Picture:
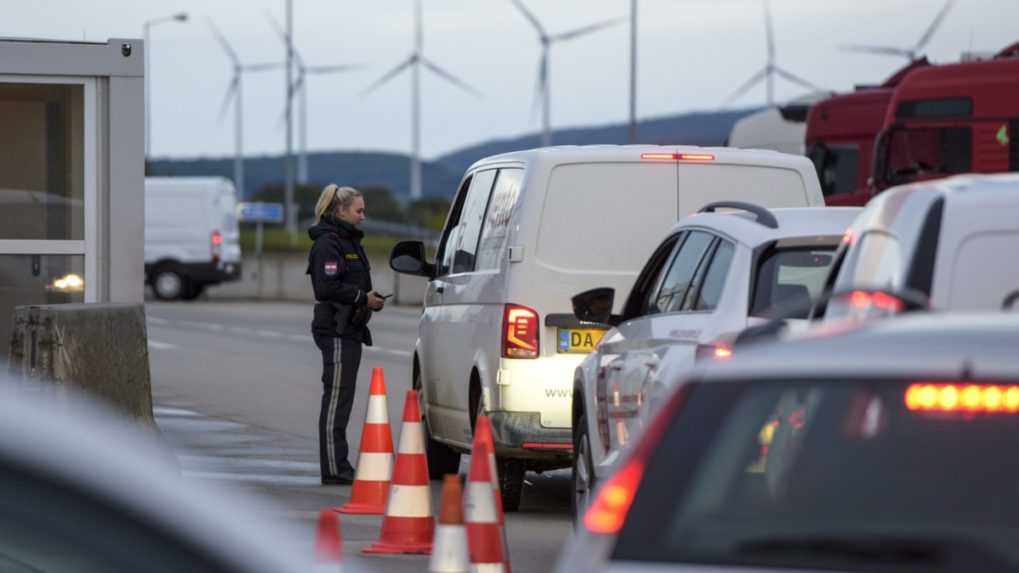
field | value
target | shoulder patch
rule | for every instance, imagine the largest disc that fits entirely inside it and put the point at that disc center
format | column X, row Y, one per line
column 352, row 257
column 331, row 268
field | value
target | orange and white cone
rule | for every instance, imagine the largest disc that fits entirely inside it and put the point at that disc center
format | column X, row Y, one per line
column 328, row 538
column 449, row 549
column 408, row 526
column 483, row 434
column 484, row 535
column 375, row 460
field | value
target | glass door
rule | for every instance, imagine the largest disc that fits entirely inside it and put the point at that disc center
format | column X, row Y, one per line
column 48, row 216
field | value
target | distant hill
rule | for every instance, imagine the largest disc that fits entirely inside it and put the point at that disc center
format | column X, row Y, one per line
column 441, row 176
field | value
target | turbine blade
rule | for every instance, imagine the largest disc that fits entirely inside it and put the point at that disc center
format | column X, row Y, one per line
column 585, row 30
column 264, row 66
column 789, row 76
column 334, row 69
column 769, row 31
column 530, row 17
column 934, row 26
column 390, row 75
column 743, row 89
column 278, row 28
column 881, row 50
column 450, row 77
column 231, row 91
column 222, row 42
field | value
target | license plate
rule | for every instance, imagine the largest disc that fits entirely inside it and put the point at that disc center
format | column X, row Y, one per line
column 579, row 340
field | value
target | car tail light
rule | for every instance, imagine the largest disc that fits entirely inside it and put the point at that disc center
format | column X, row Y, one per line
column 716, row 351
column 607, row 512
column 216, row 242
column 519, row 332
column 966, row 398
column 666, row 156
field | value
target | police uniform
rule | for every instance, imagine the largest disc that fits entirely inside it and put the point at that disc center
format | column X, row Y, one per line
column 341, row 279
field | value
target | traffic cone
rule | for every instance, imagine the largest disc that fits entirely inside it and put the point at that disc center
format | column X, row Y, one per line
column 328, row 538
column 375, row 460
column 449, row 550
column 484, row 535
column 483, row 434
column 408, row 525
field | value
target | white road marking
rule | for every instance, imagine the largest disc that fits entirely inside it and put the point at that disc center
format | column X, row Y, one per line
column 255, row 478
column 155, row 320
column 216, row 327
column 269, row 333
column 249, row 462
column 400, row 353
column 161, row 345
column 174, row 412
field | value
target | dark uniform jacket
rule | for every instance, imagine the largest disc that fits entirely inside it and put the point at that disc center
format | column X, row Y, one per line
column 341, row 278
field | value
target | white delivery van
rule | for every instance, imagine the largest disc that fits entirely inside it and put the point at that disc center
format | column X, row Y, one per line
column 191, row 235
column 527, row 231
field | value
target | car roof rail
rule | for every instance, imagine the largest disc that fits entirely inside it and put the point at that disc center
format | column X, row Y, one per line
column 762, row 215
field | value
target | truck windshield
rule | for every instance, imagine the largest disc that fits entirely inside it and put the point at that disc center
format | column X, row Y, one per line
column 920, row 153
column 842, row 474
column 836, row 167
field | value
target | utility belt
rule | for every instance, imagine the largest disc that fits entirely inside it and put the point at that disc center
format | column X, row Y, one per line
column 346, row 317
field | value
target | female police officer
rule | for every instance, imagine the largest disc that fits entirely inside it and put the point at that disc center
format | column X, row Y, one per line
column 341, row 279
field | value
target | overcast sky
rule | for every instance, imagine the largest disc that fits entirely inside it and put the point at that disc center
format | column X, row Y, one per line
column 693, row 53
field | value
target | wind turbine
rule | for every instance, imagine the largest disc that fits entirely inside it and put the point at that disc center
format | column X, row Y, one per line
column 300, row 86
column 912, row 53
column 235, row 91
column 542, row 91
column 770, row 69
column 414, row 63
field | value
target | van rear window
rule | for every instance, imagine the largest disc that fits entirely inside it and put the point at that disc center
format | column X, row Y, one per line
column 606, row 217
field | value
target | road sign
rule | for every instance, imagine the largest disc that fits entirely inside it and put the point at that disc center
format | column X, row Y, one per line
column 260, row 212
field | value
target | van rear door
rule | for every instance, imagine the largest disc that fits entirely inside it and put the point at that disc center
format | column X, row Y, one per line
column 704, row 182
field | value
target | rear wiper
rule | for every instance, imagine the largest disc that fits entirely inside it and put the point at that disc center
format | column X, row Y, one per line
column 876, row 548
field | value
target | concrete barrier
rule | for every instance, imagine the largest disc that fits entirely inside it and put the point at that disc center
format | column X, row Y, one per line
column 99, row 349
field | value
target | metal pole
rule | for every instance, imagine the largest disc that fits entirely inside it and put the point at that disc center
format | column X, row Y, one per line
column 546, row 119
column 633, row 71
column 291, row 219
column 415, row 120
column 302, row 157
column 258, row 254
column 148, row 93
column 239, row 134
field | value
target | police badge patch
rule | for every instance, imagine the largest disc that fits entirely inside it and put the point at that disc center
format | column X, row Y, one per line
column 331, row 268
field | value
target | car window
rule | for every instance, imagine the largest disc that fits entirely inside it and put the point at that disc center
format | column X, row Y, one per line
column 787, row 280
column 451, row 232
column 649, row 277
column 495, row 231
column 862, row 475
column 46, row 526
column 714, row 280
column 471, row 220
column 669, row 296
column 876, row 263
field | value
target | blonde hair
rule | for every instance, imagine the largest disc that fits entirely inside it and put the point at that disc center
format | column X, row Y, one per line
column 333, row 197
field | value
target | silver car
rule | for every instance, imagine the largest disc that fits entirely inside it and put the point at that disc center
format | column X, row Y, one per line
column 712, row 276
column 879, row 446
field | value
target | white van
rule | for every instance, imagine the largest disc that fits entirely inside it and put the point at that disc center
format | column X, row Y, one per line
column 191, row 235
column 527, row 231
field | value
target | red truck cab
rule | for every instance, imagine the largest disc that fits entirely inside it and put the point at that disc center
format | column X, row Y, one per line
column 948, row 119
column 840, row 138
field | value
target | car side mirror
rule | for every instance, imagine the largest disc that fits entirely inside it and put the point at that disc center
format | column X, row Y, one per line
column 1010, row 300
column 408, row 257
column 595, row 305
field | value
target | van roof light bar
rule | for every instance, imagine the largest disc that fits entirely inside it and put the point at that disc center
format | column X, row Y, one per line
column 761, row 215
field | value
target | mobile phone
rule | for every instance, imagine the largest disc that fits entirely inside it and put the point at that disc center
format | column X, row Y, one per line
column 385, row 296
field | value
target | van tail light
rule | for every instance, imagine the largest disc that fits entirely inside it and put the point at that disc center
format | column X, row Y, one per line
column 607, row 512
column 216, row 242
column 716, row 351
column 519, row 332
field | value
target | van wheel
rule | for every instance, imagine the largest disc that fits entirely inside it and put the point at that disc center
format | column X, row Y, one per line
column 167, row 284
column 583, row 475
column 442, row 459
column 511, row 482
column 192, row 290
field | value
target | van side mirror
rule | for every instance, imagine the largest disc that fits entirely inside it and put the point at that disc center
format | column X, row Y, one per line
column 595, row 305
column 408, row 257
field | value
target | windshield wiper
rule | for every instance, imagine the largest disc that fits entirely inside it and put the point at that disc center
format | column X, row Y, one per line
column 877, row 548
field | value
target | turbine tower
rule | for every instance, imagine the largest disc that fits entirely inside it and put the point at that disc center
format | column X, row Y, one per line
column 235, row 93
column 300, row 87
column 542, row 91
column 770, row 69
column 913, row 53
column 414, row 63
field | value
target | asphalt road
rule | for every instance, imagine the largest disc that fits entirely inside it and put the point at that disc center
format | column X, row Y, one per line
column 237, row 390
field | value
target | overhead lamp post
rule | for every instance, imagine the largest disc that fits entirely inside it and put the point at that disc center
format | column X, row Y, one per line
column 179, row 17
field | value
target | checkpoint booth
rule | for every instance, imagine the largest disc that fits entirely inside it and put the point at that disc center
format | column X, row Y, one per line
column 71, row 174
